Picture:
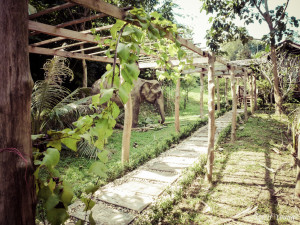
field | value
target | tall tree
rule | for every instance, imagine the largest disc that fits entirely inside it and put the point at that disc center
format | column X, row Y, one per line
column 17, row 193
column 223, row 28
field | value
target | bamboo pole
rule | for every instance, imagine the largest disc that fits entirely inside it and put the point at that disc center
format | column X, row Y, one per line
column 211, row 118
column 297, row 188
column 225, row 92
column 177, row 104
column 234, row 103
column 218, row 94
column 251, row 94
column 201, row 95
column 84, row 69
column 255, row 93
column 245, row 95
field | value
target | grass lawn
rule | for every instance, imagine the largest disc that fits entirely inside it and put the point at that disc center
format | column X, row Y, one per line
column 252, row 184
column 74, row 167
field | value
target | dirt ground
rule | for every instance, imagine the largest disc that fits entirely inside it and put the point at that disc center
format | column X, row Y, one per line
column 252, row 184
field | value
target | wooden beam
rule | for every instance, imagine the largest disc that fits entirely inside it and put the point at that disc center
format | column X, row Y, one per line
column 46, row 51
column 201, row 95
column 245, row 95
column 50, row 10
column 70, row 45
column 70, row 34
column 234, row 102
column 177, row 106
column 86, row 49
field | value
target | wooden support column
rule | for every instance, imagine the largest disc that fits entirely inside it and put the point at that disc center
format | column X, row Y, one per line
column 255, row 92
column 177, row 104
column 234, row 102
column 218, row 94
column 84, row 69
column 211, row 117
column 251, row 93
column 201, row 95
column 297, row 188
column 225, row 92
column 127, row 128
column 245, row 74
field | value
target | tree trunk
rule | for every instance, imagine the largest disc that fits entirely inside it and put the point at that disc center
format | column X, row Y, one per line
column 234, row 104
column 17, row 192
column 245, row 96
column 218, row 94
column 251, row 94
column 225, row 92
column 84, row 70
column 277, row 93
column 255, row 92
column 201, row 95
column 211, row 118
column 177, row 104
column 297, row 189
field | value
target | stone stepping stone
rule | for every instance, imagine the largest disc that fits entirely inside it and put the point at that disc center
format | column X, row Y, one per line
column 188, row 147
column 157, row 176
column 126, row 199
column 178, row 160
column 184, row 153
column 167, row 166
column 102, row 214
column 202, row 139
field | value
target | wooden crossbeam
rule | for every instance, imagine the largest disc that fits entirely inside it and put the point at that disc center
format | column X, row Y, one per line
column 50, row 10
column 86, row 49
column 70, row 45
column 46, row 51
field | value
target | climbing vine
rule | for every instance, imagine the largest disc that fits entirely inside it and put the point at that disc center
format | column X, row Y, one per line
column 127, row 42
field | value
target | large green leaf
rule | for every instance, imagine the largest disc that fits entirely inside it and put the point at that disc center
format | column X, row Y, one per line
column 89, row 203
column 123, row 51
column 106, row 95
column 103, row 156
column 116, row 27
column 52, row 201
column 57, row 216
column 51, row 158
column 98, row 168
column 67, row 194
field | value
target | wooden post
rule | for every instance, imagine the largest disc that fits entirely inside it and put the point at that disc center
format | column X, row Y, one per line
column 84, row 69
column 17, row 189
column 201, row 95
column 225, row 92
column 211, row 118
column 127, row 128
column 251, row 94
column 245, row 94
column 177, row 104
column 218, row 94
column 255, row 92
column 297, row 188
column 234, row 103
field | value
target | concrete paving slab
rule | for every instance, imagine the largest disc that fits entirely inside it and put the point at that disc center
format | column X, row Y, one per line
column 182, row 152
column 125, row 199
column 103, row 215
column 202, row 139
column 157, row 176
column 178, row 160
column 193, row 148
column 167, row 166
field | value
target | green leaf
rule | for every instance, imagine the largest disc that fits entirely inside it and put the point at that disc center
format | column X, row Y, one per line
column 71, row 142
column 115, row 110
column 124, row 92
column 79, row 222
column 67, row 194
column 51, row 185
column 106, row 95
column 51, row 158
column 89, row 203
column 91, row 188
column 99, row 169
column 123, row 51
column 91, row 219
column 116, row 27
column 96, row 100
column 133, row 69
column 57, row 216
column 52, row 201
column 37, row 136
column 103, row 156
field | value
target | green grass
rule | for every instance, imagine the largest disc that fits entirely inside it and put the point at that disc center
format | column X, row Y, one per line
column 74, row 167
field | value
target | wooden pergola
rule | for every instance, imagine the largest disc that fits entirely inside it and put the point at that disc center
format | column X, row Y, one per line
column 205, row 63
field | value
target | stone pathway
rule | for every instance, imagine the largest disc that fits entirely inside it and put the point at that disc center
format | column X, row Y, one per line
column 118, row 202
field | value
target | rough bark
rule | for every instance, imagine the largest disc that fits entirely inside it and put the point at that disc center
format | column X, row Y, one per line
column 218, row 94
column 245, row 96
column 127, row 130
column 297, row 188
column 234, row 104
column 17, row 192
column 201, row 95
column 211, row 118
column 177, row 103
column 251, row 94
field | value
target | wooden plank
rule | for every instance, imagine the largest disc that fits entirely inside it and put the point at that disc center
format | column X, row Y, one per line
column 245, row 95
column 177, row 106
column 53, row 9
column 70, row 45
column 86, row 49
column 201, row 96
column 51, row 30
column 46, row 51
column 234, row 103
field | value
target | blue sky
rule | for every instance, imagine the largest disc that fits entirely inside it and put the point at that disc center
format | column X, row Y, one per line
column 190, row 16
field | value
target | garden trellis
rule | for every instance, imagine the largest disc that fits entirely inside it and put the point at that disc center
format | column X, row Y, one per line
column 205, row 63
